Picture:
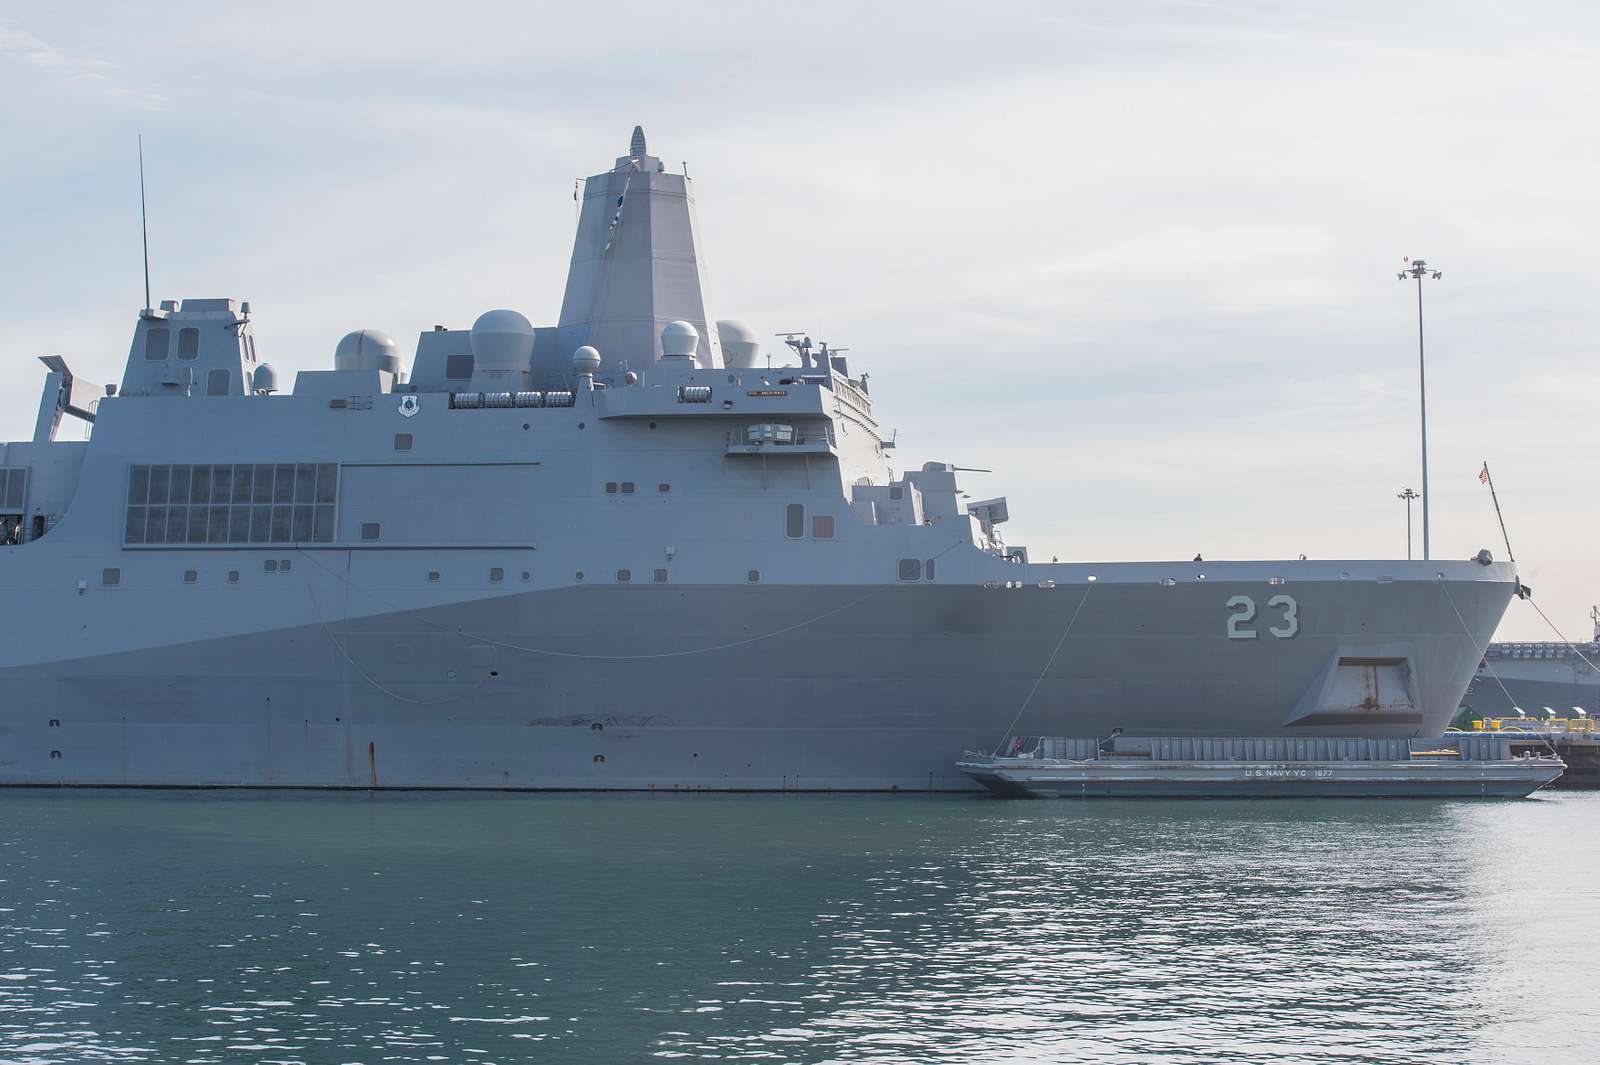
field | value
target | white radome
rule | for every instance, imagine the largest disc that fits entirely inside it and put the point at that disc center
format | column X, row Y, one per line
column 679, row 338
column 501, row 340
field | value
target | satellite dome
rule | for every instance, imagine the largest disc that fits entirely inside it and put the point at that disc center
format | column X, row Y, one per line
column 679, row 338
column 586, row 360
column 265, row 378
column 367, row 349
column 501, row 340
column 739, row 344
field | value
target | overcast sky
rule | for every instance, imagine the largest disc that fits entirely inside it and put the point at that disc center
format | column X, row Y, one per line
column 1138, row 258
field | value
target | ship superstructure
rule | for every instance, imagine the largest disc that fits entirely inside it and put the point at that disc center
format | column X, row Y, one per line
column 615, row 552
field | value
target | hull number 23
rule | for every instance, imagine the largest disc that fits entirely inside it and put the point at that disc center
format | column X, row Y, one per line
column 1242, row 615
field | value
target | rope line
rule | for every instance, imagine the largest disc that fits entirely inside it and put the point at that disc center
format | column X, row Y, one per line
column 1048, row 663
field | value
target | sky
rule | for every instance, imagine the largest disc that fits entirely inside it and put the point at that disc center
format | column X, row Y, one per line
column 1138, row 259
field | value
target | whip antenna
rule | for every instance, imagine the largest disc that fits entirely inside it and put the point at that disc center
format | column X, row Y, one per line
column 144, row 227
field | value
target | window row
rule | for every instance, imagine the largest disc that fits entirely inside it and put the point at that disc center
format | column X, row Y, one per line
column 304, row 482
column 794, row 523
column 243, row 524
column 158, row 344
column 912, row 569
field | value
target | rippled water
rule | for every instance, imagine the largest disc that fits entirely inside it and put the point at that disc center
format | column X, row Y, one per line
column 212, row 927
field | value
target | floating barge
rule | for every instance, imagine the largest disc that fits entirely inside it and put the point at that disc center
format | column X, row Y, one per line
column 1458, row 766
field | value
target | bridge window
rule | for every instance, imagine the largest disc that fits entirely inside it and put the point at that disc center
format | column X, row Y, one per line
column 189, row 343
column 156, row 342
column 822, row 527
column 217, row 382
column 794, row 521
column 228, row 504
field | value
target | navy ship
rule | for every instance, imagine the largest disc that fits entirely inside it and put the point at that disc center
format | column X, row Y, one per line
column 623, row 551
column 1541, row 678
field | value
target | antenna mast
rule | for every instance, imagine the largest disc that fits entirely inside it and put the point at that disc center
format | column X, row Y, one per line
column 144, row 227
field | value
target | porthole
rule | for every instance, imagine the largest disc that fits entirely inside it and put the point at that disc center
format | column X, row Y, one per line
column 599, row 759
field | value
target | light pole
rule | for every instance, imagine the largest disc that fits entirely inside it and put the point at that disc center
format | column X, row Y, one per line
column 1419, row 270
column 1408, row 495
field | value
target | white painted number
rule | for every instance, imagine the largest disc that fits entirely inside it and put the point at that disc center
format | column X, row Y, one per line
column 1291, row 616
column 1246, row 614
column 1242, row 611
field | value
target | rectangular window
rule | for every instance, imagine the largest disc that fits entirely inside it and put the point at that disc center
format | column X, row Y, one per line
column 322, row 530
column 217, row 382
column 158, row 484
column 753, row 576
column 927, row 570
column 156, row 341
column 111, row 577
column 458, row 367
column 896, row 491
column 133, row 530
column 190, row 576
column 794, row 521
column 283, row 484
column 155, row 531
column 270, row 565
column 239, row 525
column 196, row 533
column 627, row 488
column 260, row 524
column 177, row 525
column 663, row 488
column 178, row 486
column 496, row 574
column 16, row 482
column 661, row 576
column 138, row 485
column 262, row 493
column 822, row 527
column 328, row 482
column 221, row 483
column 303, row 524
column 611, row 488
column 402, row 441
column 243, row 483
column 282, row 525
column 189, row 343
column 433, row 575
column 199, row 484
column 284, row 565
column 910, row 569
column 370, row 530
column 624, row 576
column 233, row 576
column 305, row 484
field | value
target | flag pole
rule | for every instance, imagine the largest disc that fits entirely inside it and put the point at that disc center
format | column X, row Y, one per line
column 1488, row 480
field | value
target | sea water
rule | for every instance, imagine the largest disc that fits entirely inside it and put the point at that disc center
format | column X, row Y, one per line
column 149, row 926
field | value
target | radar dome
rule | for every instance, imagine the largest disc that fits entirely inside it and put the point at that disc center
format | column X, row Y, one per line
column 501, row 340
column 679, row 338
column 367, row 349
column 586, row 360
column 739, row 344
column 265, row 379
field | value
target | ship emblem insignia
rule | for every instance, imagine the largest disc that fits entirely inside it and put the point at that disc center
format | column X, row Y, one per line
column 409, row 406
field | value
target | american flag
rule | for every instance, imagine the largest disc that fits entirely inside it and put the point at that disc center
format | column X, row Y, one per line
column 1483, row 474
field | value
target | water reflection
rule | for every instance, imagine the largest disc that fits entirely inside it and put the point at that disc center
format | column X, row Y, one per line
column 212, row 928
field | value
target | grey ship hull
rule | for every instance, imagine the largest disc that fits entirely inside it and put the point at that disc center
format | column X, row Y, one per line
column 763, row 687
